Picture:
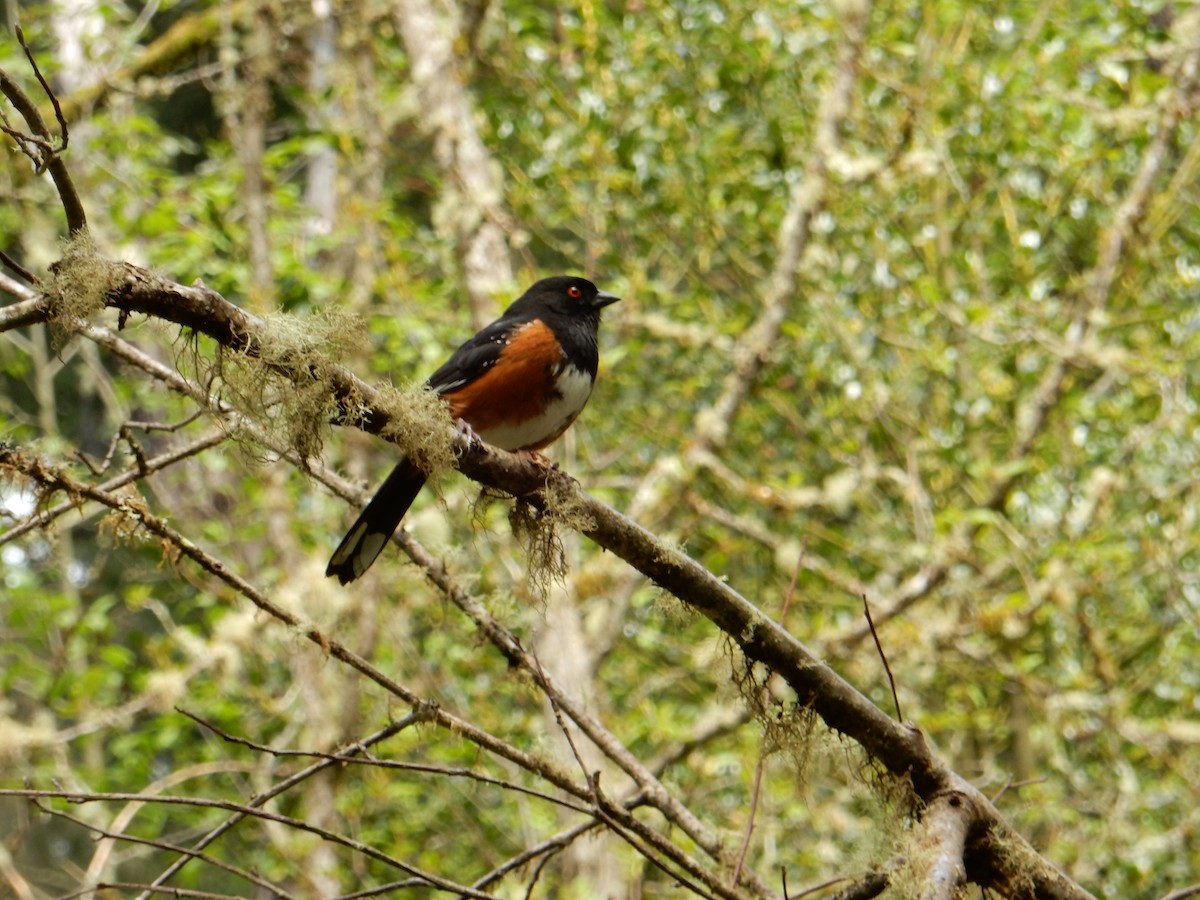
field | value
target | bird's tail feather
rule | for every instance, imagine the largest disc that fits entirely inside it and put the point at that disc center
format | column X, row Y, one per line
column 376, row 523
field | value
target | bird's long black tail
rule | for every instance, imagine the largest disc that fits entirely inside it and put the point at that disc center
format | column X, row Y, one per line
column 381, row 517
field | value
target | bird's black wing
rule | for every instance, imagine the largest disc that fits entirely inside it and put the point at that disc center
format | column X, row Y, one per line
column 475, row 356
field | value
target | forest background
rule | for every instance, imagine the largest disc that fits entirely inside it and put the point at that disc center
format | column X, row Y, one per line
column 909, row 315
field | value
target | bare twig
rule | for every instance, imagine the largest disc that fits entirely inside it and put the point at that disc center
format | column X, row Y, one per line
column 355, row 754
column 720, row 719
column 1010, row 785
column 545, row 848
column 607, row 812
column 325, row 834
column 58, row 113
column 213, row 861
column 394, row 728
column 883, row 656
column 48, row 157
column 646, row 840
column 754, row 794
column 104, row 886
column 125, row 433
column 158, row 463
column 19, row 269
column 787, row 598
column 381, row 890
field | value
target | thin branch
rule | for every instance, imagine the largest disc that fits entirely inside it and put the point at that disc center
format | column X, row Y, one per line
column 394, row 728
column 58, row 113
column 754, row 795
column 125, row 433
column 354, row 756
column 791, row 590
column 536, row 876
column 19, row 269
column 213, row 861
column 325, row 834
column 644, row 839
column 158, row 463
column 389, row 888
column 49, row 158
column 720, row 719
column 1010, row 785
column 883, row 657
column 600, row 805
column 546, row 848
column 138, row 886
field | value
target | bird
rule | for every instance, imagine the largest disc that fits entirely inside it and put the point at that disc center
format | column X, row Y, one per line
column 518, row 384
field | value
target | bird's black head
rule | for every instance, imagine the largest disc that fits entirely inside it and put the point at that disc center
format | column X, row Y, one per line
column 566, row 295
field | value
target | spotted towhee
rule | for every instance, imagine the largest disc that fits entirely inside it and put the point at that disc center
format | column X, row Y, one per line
column 518, row 384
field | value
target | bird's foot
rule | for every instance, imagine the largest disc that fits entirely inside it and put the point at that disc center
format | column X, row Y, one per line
column 465, row 429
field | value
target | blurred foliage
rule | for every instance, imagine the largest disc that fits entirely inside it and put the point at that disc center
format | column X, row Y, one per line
column 652, row 146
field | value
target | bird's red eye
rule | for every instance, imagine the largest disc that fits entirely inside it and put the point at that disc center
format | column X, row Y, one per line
column 574, row 293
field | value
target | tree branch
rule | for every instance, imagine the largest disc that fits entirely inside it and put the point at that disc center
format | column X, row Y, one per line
column 46, row 156
column 945, row 823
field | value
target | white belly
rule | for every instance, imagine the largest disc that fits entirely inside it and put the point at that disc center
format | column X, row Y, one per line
column 574, row 388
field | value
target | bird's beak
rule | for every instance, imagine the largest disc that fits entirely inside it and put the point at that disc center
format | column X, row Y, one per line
column 604, row 298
